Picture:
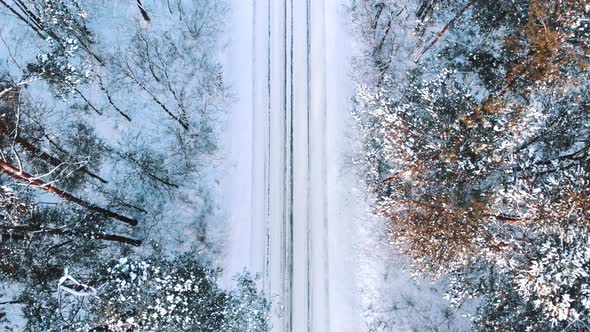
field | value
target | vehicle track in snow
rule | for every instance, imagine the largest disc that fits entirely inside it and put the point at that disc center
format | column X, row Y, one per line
column 289, row 229
column 296, row 81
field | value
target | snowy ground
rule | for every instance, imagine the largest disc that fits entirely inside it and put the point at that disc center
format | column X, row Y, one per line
column 283, row 203
column 295, row 204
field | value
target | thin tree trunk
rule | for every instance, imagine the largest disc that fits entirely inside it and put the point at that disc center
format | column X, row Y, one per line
column 384, row 37
column 514, row 74
column 88, row 102
column 25, row 232
column 514, row 220
column 38, row 28
column 165, row 109
column 22, row 176
column 143, row 11
column 176, row 118
column 19, row 16
column 156, row 100
column 518, row 67
column 116, row 200
column 150, row 174
column 507, row 88
column 29, row 14
column 378, row 15
column 425, row 9
column 41, row 154
column 38, row 22
column 393, row 177
column 163, row 181
column 444, row 30
column 104, row 89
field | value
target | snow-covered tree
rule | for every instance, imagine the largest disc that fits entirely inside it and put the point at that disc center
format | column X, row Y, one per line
column 477, row 146
column 153, row 294
column 457, row 155
column 108, row 123
column 542, row 285
column 63, row 57
column 178, row 295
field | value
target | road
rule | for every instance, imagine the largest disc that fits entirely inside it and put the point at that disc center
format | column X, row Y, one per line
column 287, row 61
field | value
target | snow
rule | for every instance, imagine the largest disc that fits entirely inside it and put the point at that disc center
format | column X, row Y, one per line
column 307, row 262
column 12, row 310
column 297, row 207
column 239, row 179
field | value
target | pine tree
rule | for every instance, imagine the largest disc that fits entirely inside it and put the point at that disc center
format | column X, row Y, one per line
column 478, row 154
column 152, row 294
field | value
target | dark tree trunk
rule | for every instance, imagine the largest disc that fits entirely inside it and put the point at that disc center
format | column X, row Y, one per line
column 20, row 233
column 142, row 10
column 41, row 154
column 22, row 176
column 444, row 30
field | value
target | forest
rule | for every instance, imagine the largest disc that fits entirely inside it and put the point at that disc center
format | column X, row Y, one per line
column 475, row 124
column 108, row 134
column 455, row 154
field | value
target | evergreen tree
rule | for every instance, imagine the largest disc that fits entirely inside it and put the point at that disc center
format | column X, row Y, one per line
column 91, row 169
column 477, row 152
column 152, row 294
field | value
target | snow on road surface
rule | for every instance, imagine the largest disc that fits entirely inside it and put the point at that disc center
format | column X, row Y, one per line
column 287, row 61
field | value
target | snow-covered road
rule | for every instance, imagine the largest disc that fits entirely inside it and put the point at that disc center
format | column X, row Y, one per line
column 287, row 61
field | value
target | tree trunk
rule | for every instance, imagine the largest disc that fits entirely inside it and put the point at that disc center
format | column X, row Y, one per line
column 444, row 30
column 130, row 74
column 516, row 73
column 41, row 154
column 20, row 233
column 22, row 176
column 425, row 9
column 38, row 29
column 104, row 89
column 19, row 16
column 142, row 10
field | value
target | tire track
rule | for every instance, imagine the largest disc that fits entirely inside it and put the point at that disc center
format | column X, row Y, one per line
column 291, row 111
column 309, row 242
column 324, row 169
column 267, row 162
column 300, row 237
column 291, row 181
